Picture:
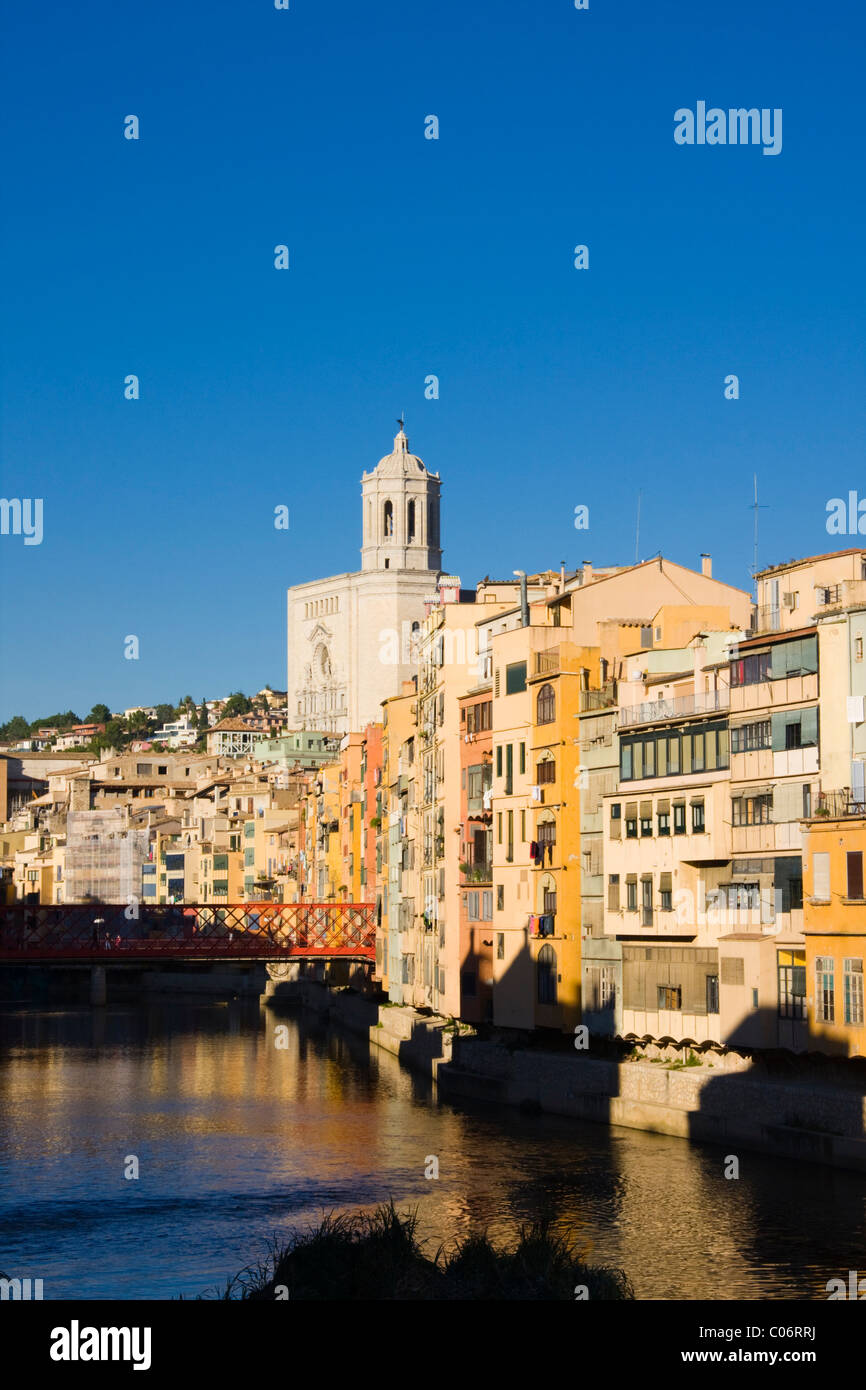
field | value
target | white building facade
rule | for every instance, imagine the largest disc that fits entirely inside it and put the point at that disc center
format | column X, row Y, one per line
column 351, row 637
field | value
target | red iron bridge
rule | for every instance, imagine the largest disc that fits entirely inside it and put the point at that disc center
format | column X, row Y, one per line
column 104, row 933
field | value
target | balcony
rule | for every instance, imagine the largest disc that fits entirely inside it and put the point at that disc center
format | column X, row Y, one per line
column 477, row 871
column 836, row 805
column 547, row 663
column 655, row 711
column 592, row 700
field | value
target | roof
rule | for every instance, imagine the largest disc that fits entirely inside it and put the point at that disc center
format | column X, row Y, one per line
column 233, row 725
column 400, row 463
column 47, row 754
column 810, row 560
column 772, row 638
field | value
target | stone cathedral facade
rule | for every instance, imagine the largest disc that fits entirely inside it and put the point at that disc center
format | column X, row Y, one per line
column 350, row 637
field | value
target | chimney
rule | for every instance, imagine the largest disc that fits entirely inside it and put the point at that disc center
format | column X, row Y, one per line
column 706, row 565
column 586, row 577
column 561, row 576
column 524, row 603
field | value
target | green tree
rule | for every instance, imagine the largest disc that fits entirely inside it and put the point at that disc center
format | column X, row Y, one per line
column 100, row 714
column 236, row 704
column 202, row 724
column 138, row 722
column 56, row 721
column 116, row 736
column 164, row 715
column 16, row 727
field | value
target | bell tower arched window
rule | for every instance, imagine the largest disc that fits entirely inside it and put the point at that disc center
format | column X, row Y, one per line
column 389, row 519
column 410, row 521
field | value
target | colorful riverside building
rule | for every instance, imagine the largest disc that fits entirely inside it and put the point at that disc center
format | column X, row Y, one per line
column 476, row 864
column 398, row 907
column 573, row 643
column 834, row 843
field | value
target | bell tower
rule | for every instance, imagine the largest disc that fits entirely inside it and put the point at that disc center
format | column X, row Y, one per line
column 400, row 513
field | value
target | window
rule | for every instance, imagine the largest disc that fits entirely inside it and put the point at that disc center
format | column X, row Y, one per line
column 855, row 875
column 545, row 772
column 550, row 901
column 821, row 877
column 499, row 827
column 792, row 984
column 646, row 825
column 523, row 757
column 515, row 678
column 797, row 658
column 388, row 519
column 679, row 818
column 712, row 994
column 853, row 988
column 825, row 994
column 509, row 769
column 472, row 903
column 161, row 770
column 468, row 983
column 698, row 752
column 670, row 996
column 738, row 897
column 646, row 636
column 698, row 823
column 546, row 705
column 646, row 902
column 613, row 893
column 858, row 648
column 499, row 761
column 750, row 670
column 631, row 895
column 546, row 975
column 752, row 810
column 749, row 738
column 410, row 521
column 500, row 945
column 795, row 729
column 500, row 897
column 664, row 819
column 666, row 899
column 510, row 847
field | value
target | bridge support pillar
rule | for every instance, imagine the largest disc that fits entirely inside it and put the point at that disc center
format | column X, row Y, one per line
column 97, row 985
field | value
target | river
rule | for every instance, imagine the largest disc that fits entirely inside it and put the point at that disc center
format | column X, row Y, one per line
column 237, row 1140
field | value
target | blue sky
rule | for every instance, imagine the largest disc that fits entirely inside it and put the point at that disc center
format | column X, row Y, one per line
column 408, row 257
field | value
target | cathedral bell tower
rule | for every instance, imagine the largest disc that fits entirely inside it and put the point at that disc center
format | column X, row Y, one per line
column 400, row 502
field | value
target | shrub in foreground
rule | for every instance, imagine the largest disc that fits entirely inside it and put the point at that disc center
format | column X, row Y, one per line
column 377, row 1255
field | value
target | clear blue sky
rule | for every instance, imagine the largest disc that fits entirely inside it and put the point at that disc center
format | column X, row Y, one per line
column 408, row 257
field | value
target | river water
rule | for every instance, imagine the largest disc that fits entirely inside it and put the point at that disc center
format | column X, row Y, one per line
column 237, row 1140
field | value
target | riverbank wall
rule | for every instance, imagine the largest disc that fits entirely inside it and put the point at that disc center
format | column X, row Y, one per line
column 723, row 1100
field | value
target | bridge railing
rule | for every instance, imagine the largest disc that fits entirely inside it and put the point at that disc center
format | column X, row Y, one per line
column 235, row 929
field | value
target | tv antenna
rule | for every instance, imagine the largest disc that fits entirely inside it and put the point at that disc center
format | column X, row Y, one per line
column 756, row 507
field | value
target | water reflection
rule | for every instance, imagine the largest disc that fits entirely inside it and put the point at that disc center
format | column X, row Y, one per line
column 238, row 1139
